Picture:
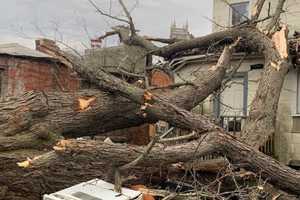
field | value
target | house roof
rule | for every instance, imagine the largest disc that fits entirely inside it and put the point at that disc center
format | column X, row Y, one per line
column 15, row 49
column 178, row 63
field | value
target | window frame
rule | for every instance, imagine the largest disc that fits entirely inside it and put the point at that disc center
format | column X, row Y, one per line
column 231, row 11
column 217, row 103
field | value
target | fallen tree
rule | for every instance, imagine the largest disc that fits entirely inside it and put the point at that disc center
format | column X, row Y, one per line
column 47, row 116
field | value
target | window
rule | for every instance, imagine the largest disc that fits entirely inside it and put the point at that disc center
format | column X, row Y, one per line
column 231, row 105
column 232, row 123
column 233, row 98
column 239, row 12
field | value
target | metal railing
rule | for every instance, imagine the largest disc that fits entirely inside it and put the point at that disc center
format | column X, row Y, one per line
column 231, row 124
column 234, row 125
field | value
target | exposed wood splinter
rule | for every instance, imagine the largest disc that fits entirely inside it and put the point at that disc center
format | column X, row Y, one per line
column 85, row 103
column 61, row 145
column 148, row 96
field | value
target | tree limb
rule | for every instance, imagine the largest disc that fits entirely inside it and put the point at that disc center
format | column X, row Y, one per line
column 106, row 14
column 130, row 21
column 275, row 19
column 258, row 5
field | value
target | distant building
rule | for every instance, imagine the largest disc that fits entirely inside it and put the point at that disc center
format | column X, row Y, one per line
column 180, row 32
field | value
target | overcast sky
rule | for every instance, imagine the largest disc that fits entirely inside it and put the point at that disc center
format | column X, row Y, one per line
column 74, row 21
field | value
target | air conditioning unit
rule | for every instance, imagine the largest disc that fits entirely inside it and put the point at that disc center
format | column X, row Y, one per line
column 94, row 190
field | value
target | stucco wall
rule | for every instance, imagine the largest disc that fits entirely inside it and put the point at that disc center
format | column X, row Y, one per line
column 129, row 58
column 221, row 13
column 287, row 141
column 287, row 144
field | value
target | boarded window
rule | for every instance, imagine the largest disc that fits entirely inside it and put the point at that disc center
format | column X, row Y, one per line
column 239, row 12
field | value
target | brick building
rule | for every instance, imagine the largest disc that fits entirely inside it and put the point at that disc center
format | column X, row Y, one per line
column 23, row 69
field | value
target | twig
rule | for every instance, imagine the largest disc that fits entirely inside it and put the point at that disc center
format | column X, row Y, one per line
column 107, row 34
column 106, row 14
column 170, row 196
column 192, row 135
column 234, row 70
column 163, row 40
column 166, row 133
column 142, row 156
column 130, row 74
column 173, row 86
column 118, row 170
column 257, row 9
column 130, row 22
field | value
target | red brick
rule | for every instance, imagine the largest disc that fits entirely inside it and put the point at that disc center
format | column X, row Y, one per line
column 38, row 75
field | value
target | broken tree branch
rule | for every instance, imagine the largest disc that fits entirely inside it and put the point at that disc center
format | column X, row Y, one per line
column 106, row 14
column 130, row 21
column 273, row 24
column 256, row 10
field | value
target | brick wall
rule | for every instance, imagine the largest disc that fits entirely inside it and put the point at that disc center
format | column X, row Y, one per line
column 25, row 74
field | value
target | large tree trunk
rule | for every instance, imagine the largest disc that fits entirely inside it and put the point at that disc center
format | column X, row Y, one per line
column 260, row 124
column 76, row 161
column 37, row 118
column 58, row 114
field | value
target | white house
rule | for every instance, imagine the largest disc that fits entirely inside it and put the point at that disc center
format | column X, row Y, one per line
column 232, row 105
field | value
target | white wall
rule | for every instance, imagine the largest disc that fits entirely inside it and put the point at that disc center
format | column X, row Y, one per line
column 287, row 144
column 221, row 13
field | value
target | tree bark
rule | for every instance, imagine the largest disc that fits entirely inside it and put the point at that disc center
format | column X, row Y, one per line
column 37, row 119
column 157, row 107
column 73, row 156
column 262, row 115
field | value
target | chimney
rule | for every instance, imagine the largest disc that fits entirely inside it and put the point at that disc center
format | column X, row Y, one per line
column 46, row 46
column 49, row 47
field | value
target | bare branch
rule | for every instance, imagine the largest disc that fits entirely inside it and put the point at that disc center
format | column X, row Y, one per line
column 106, row 14
column 107, row 34
column 142, row 156
column 163, row 40
column 130, row 21
column 258, row 5
column 173, row 86
column 190, row 136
